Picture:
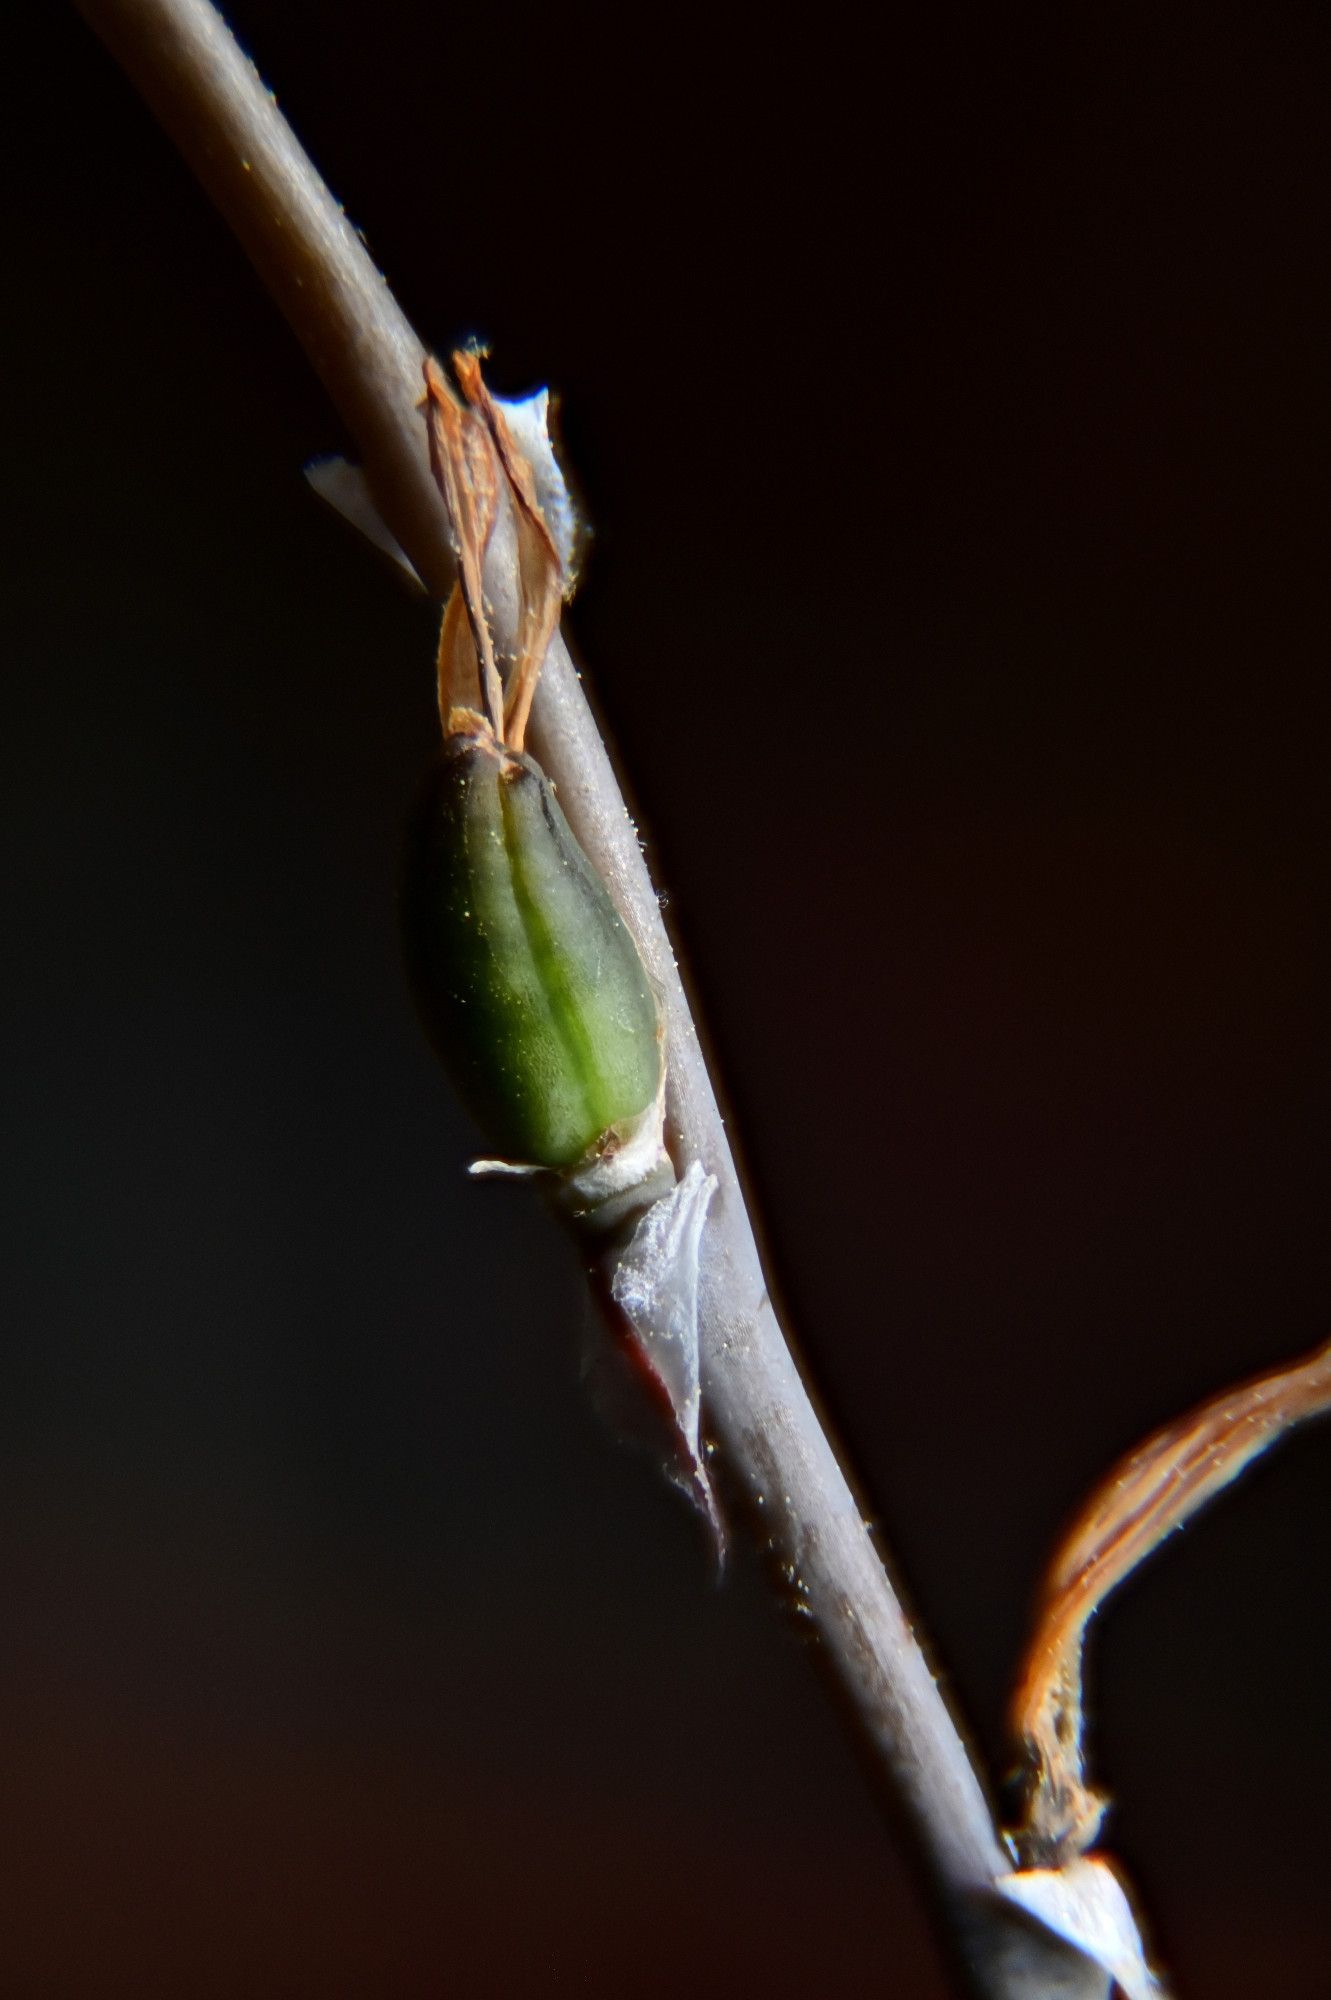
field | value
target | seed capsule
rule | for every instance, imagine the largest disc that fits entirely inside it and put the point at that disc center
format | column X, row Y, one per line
column 527, row 981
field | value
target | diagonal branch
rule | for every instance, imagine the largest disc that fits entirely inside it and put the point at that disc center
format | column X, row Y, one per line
column 212, row 101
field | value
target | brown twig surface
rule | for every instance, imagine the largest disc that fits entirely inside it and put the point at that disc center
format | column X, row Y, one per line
column 208, row 95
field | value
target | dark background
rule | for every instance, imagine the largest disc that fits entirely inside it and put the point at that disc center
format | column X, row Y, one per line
column 952, row 409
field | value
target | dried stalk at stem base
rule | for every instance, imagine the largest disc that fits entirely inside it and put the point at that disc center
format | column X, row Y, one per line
column 1148, row 1494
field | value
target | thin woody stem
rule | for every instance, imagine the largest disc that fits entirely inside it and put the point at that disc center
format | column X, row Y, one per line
column 210, row 98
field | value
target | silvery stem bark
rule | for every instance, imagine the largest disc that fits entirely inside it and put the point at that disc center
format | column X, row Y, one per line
column 212, row 101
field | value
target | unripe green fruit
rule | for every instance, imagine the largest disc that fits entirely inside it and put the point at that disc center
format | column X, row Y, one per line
column 528, row 984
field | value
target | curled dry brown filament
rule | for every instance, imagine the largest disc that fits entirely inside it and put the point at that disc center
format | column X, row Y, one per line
column 1148, row 1494
column 477, row 462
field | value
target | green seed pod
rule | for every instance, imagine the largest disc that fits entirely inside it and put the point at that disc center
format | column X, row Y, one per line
column 528, row 984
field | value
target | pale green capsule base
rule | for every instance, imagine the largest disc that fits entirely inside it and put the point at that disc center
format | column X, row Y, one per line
column 528, row 983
